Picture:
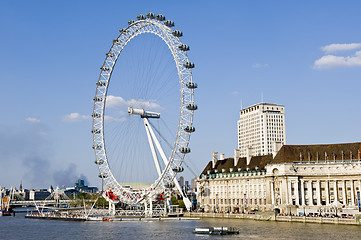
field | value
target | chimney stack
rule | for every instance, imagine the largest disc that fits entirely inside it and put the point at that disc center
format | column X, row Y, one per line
column 214, row 159
column 249, row 154
column 221, row 157
column 236, row 156
column 276, row 147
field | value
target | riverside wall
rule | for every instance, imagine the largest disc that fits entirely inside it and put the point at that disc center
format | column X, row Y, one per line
column 271, row 216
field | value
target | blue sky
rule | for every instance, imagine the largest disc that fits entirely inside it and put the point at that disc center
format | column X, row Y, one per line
column 305, row 55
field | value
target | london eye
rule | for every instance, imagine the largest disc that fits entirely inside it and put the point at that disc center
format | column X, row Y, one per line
column 143, row 118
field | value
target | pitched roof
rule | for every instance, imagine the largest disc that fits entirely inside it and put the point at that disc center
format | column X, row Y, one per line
column 294, row 153
column 291, row 153
column 226, row 164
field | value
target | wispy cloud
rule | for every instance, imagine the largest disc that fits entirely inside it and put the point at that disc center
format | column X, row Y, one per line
column 119, row 102
column 75, row 117
column 260, row 65
column 32, row 120
column 332, row 61
column 337, row 47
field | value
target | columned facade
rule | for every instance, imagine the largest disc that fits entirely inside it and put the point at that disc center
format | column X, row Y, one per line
column 282, row 183
column 307, row 187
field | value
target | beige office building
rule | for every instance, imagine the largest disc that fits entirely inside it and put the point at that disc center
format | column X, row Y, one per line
column 260, row 127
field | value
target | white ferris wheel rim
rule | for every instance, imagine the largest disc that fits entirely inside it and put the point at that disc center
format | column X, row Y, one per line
column 180, row 148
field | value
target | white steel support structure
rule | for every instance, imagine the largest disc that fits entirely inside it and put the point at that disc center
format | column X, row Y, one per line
column 151, row 136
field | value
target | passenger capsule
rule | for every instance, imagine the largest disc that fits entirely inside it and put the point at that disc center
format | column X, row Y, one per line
column 101, row 83
column 116, row 42
column 184, row 47
column 96, row 131
column 140, row 17
column 189, row 129
column 184, row 150
column 123, row 30
column 130, row 22
column 178, row 169
column 103, row 175
column 191, row 85
column 110, row 54
column 97, row 147
column 177, row 33
column 192, row 106
column 169, row 23
column 160, row 17
column 99, row 162
column 97, row 99
column 104, row 68
column 188, row 65
column 159, row 197
column 96, row 115
column 169, row 185
column 150, row 15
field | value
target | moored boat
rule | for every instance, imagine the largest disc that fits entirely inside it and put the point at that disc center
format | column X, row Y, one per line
column 4, row 213
column 216, row 230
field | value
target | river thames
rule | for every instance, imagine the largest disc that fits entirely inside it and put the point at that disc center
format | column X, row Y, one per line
column 21, row 228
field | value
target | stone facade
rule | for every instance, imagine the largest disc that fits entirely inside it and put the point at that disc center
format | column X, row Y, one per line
column 300, row 178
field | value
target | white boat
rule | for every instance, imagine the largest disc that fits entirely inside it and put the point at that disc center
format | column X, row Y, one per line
column 216, row 230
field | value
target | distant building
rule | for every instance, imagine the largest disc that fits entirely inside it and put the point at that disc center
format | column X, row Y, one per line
column 261, row 129
column 80, row 186
column 194, row 184
column 298, row 179
column 38, row 194
column 181, row 181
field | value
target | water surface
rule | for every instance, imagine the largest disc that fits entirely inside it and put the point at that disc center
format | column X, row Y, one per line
column 21, row 228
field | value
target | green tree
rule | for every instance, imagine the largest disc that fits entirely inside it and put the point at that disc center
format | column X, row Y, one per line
column 174, row 200
column 181, row 204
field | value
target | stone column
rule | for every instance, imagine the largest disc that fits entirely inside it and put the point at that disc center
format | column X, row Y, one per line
column 352, row 193
column 310, row 197
column 335, row 192
column 327, row 190
column 302, row 192
column 290, row 192
column 297, row 193
column 344, row 195
column 272, row 193
column 318, row 193
column 283, row 191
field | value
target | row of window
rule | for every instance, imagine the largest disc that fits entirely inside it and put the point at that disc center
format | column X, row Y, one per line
column 254, row 108
column 239, row 201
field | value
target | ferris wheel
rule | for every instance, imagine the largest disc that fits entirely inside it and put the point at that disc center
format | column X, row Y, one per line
column 143, row 100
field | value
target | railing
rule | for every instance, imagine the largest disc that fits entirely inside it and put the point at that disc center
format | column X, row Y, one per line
column 39, row 202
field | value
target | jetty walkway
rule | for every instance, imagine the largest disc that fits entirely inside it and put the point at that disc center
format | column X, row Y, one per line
column 271, row 216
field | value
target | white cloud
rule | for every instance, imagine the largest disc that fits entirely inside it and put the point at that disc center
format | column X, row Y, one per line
column 235, row 93
column 32, row 120
column 332, row 61
column 75, row 117
column 119, row 102
column 337, row 47
column 260, row 65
